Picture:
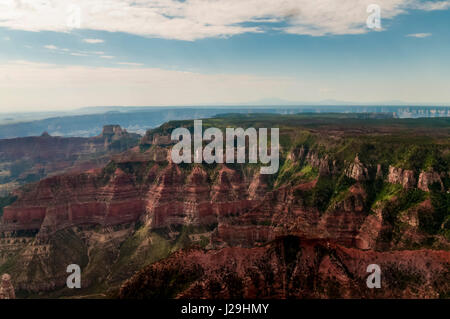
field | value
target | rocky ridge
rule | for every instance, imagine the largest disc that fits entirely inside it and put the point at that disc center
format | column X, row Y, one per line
column 143, row 200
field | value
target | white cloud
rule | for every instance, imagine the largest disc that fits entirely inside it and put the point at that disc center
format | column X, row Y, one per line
column 6, row 38
column 419, row 35
column 93, row 41
column 196, row 19
column 433, row 5
column 51, row 47
column 130, row 63
column 77, row 52
column 64, row 50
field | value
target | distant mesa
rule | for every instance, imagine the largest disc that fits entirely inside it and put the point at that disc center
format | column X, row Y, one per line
column 116, row 132
column 111, row 130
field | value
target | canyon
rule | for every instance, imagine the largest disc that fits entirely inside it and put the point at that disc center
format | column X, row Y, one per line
column 290, row 267
column 345, row 196
column 29, row 159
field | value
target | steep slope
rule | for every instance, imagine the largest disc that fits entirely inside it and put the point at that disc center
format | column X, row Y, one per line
column 361, row 184
column 291, row 267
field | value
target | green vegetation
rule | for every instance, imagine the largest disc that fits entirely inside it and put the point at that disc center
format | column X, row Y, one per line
column 319, row 196
column 439, row 220
column 387, row 192
column 400, row 278
column 146, row 246
column 6, row 201
column 341, row 190
column 405, row 200
column 392, row 209
column 308, row 172
column 107, row 172
column 334, row 139
column 323, row 193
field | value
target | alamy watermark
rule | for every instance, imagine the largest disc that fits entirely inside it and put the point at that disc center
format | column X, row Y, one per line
column 374, row 279
column 73, row 11
column 374, row 19
column 236, row 138
column 74, row 279
column 73, row 16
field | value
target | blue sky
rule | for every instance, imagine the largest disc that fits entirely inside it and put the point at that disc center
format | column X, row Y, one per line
column 312, row 56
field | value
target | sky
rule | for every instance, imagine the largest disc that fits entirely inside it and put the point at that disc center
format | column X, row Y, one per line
column 66, row 54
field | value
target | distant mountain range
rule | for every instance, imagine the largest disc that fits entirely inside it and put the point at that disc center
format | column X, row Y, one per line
column 282, row 102
column 89, row 121
column 28, row 116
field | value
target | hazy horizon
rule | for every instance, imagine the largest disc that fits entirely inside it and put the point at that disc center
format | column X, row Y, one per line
column 250, row 105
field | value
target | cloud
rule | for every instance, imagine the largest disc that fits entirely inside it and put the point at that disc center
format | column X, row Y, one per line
column 51, row 47
column 419, row 35
column 6, row 38
column 93, row 41
column 433, row 5
column 196, row 19
column 78, row 54
column 130, row 63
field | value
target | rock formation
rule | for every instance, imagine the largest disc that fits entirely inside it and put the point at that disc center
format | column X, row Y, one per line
column 357, row 171
column 6, row 288
column 307, row 231
column 400, row 176
column 426, row 179
column 290, row 267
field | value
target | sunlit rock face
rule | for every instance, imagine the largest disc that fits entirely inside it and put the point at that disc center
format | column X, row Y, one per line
column 144, row 186
column 426, row 179
column 400, row 176
column 345, row 207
